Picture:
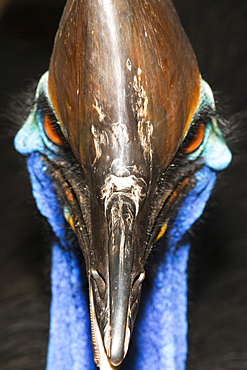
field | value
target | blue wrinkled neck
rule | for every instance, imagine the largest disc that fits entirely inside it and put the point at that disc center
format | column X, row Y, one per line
column 160, row 336
column 69, row 341
column 159, row 340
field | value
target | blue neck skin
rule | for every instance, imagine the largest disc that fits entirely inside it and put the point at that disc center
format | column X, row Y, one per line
column 159, row 339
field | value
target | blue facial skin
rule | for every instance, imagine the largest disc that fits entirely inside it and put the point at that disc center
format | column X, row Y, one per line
column 159, row 340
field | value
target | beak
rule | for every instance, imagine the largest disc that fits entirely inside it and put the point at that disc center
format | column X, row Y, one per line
column 115, row 293
column 120, row 217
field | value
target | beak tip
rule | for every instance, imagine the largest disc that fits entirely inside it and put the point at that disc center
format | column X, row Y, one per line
column 119, row 349
column 116, row 356
column 116, row 353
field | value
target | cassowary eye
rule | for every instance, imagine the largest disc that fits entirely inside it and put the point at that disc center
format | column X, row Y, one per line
column 50, row 123
column 194, row 138
column 53, row 130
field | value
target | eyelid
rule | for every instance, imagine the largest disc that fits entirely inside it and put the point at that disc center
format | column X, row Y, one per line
column 50, row 130
column 49, row 122
column 190, row 145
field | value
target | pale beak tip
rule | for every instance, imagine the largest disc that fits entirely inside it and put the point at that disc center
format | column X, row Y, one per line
column 117, row 355
column 119, row 349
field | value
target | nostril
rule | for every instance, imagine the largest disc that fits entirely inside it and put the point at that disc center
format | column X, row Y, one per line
column 138, row 279
column 100, row 283
column 136, row 287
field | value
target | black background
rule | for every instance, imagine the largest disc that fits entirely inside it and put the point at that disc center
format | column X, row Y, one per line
column 218, row 264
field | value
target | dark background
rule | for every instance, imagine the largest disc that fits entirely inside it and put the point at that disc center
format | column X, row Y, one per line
column 218, row 264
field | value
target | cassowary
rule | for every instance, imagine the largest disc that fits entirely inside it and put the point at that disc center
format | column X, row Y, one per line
column 133, row 188
column 122, row 145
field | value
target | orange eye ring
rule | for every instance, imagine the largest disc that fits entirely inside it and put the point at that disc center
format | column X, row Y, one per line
column 197, row 138
column 51, row 131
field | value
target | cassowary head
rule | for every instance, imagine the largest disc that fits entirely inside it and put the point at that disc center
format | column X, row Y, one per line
column 122, row 122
